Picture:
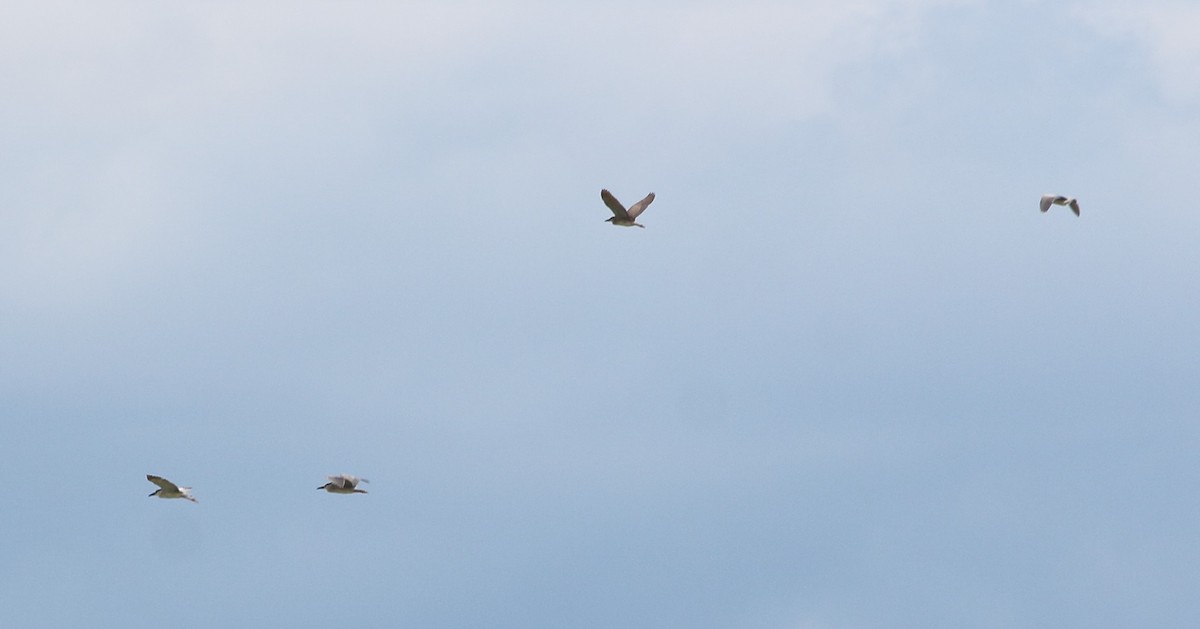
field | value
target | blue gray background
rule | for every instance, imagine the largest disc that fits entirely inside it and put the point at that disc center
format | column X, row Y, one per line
column 848, row 376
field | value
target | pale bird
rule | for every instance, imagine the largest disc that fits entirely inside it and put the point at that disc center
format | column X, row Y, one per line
column 1058, row 199
column 167, row 489
column 621, row 216
column 344, row 484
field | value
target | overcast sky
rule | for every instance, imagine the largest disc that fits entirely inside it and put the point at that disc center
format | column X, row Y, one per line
column 848, row 376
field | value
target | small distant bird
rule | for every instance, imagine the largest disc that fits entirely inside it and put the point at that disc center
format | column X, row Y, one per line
column 344, row 484
column 621, row 216
column 167, row 489
column 1058, row 199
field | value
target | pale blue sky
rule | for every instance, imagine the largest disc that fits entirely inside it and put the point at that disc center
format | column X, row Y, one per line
column 848, row 375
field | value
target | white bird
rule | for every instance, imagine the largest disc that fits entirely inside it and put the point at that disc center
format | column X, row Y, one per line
column 1058, row 199
column 167, row 489
column 344, row 484
column 621, row 216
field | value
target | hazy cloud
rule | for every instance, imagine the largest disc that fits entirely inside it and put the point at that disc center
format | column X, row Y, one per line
column 1165, row 33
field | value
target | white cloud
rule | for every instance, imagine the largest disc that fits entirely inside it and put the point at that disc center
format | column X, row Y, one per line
column 109, row 106
column 784, row 59
column 1165, row 30
column 757, row 63
column 765, row 57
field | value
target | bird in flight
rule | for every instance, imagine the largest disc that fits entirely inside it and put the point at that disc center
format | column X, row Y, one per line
column 1058, row 199
column 621, row 216
column 167, row 489
column 344, row 484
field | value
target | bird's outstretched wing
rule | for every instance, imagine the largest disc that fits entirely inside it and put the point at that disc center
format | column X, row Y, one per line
column 613, row 204
column 162, row 482
column 641, row 206
column 1047, row 199
column 1074, row 205
column 346, row 480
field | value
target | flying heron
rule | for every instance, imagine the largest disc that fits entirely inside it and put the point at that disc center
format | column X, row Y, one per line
column 621, row 216
column 167, row 489
column 344, row 484
column 1058, row 199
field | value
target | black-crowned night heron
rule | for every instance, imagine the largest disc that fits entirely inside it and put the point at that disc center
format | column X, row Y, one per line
column 167, row 489
column 1058, row 199
column 344, row 484
column 621, row 216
